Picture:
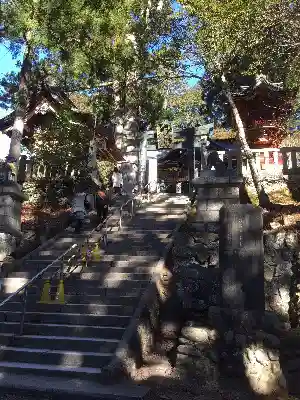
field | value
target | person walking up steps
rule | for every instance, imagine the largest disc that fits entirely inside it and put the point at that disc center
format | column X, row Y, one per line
column 80, row 207
column 117, row 181
column 101, row 203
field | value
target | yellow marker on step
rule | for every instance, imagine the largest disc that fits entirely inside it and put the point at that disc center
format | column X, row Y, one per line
column 96, row 254
column 84, row 251
column 45, row 296
column 60, row 294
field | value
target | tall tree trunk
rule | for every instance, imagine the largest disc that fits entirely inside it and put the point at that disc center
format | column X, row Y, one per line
column 119, row 96
column 92, row 159
column 143, row 161
column 245, row 147
column 21, row 110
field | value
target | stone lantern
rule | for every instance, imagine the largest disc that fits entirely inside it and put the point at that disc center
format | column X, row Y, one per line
column 11, row 198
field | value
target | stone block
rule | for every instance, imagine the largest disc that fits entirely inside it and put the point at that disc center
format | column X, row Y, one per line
column 217, row 192
column 236, row 180
column 241, row 255
column 207, row 205
column 207, row 216
column 199, row 227
column 263, row 370
column 211, row 180
column 199, row 334
column 201, row 205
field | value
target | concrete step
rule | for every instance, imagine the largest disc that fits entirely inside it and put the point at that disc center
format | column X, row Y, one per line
column 64, row 318
column 27, row 272
column 60, row 343
column 103, row 332
column 115, row 288
column 92, row 309
column 106, row 257
column 94, row 278
column 78, row 274
column 110, row 296
column 33, row 387
column 108, row 280
column 79, row 286
column 125, row 250
column 49, row 370
column 62, row 358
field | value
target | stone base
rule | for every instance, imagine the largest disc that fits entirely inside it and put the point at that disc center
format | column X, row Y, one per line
column 11, row 199
column 7, row 245
column 213, row 192
column 246, row 349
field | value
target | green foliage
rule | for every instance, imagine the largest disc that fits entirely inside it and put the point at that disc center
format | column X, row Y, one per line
column 292, row 140
column 50, row 193
column 105, row 171
column 63, row 144
column 248, row 37
column 186, row 106
column 164, row 136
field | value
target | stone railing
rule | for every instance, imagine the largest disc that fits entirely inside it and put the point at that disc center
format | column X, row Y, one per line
column 29, row 169
column 291, row 160
column 267, row 160
column 284, row 161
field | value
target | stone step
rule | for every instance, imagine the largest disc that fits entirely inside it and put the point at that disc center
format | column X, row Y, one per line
column 44, row 387
column 152, row 224
column 110, row 296
column 94, row 278
column 123, row 249
column 60, row 343
column 81, row 273
column 104, row 258
column 28, row 271
column 101, row 332
column 71, row 359
column 91, row 309
column 81, row 286
column 115, row 288
column 49, row 370
column 67, row 319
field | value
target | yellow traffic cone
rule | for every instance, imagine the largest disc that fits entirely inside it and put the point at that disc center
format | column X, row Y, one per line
column 84, row 251
column 96, row 254
column 60, row 294
column 45, row 296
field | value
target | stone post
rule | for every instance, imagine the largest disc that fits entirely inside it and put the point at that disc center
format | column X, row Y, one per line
column 246, row 347
column 241, row 264
column 213, row 192
column 241, row 255
column 11, row 198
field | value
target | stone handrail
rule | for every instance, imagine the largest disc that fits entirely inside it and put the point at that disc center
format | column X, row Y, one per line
column 285, row 160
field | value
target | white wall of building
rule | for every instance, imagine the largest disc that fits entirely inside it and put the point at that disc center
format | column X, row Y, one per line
column 152, row 169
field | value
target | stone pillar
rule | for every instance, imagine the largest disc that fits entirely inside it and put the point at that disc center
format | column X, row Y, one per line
column 241, row 255
column 152, row 173
column 11, row 199
column 241, row 264
column 212, row 193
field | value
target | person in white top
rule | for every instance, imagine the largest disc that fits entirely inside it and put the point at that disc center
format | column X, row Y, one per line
column 79, row 207
column 117, row 181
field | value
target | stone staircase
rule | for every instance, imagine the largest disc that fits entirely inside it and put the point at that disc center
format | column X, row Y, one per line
column 77, row 339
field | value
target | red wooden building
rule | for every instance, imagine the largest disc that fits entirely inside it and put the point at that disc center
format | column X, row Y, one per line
column 264, row 107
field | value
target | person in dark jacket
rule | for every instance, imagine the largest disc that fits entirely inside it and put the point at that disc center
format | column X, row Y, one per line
column 101, row 204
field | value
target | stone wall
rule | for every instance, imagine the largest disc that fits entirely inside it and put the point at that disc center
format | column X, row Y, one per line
column 237, row 341
column 280, row 247
column 233, row 289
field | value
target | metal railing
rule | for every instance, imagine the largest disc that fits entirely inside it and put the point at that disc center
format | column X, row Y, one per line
column 102, row 228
